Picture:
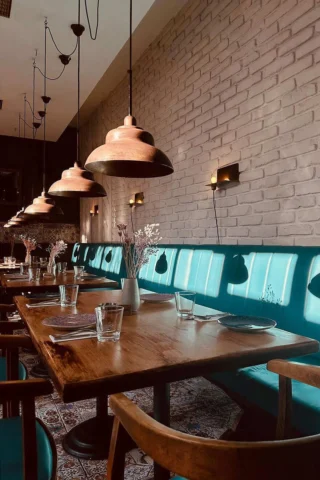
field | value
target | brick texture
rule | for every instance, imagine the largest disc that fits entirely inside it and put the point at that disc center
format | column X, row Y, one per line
column 225, row 81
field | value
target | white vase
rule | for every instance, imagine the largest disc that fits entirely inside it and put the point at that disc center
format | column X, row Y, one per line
column 131, row 294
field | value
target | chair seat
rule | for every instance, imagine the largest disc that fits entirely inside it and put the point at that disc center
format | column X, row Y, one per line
column 261, row 387
column 3, row 372
column 11, row 456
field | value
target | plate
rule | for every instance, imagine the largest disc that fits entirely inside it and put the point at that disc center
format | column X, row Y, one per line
column 89, row 277
column 70, row 322
column 156, row 297
column 247, row 324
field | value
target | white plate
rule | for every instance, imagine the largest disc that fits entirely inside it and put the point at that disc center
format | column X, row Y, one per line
column 156, row 297
column 70, row 322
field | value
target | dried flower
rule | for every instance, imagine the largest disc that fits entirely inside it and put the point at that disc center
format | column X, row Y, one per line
column 56, row 249
column 30, row 243
column 138, row 249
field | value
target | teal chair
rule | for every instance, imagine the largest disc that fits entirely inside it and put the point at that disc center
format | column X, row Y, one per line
column 27, row 449
column 197, row 458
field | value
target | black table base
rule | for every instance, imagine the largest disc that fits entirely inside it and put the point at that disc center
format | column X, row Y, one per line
column 91, row 439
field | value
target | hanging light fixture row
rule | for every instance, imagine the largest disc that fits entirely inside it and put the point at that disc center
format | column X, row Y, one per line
column 44, row 205
column 77, row 182
column 129, row 150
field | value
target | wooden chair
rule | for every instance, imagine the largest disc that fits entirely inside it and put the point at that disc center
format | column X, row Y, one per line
column 288, row 371
column 27, row 449
column 197, row 458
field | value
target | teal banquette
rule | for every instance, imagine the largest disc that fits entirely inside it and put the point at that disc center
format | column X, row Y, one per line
column 279, row 282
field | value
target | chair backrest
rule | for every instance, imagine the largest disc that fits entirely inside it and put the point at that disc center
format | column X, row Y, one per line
column 198, row 458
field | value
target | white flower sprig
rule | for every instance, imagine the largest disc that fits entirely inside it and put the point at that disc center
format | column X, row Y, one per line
column 138, row 248
column 56, row 249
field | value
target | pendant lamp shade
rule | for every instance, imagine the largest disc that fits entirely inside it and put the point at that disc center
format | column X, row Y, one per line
column 129, row 151
column 77, row 183
column 43, row 205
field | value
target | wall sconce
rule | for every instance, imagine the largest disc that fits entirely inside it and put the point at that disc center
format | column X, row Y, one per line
column 138, row 200
column 94, row 210
column 226, row 177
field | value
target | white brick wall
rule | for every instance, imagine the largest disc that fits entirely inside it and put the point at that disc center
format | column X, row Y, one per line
column 226, row 81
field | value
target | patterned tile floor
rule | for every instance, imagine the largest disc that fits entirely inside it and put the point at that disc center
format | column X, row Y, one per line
column 197, row 407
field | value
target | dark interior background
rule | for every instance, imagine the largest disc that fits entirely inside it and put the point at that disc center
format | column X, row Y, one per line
column 25, row 155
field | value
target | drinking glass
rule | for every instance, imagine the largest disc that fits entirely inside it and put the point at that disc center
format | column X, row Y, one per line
column 34, row 260
column 69, row 295
column 12, row 262
column 109, row 321
column 78, row 272
column 62, row 267
column 34, row 274
column 5, row 259
column 43, row 262
column 185, row 301
column 24, row 268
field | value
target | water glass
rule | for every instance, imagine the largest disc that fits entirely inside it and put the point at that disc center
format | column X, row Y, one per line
column 34, row 260
column 34, row 274
column 12, row 262
column 62, row 267
column 5, row 259
column 43, row 262
column 185, row 301
column 24, row 268
column 78, row 272
column 69, row 295
column 109, row 321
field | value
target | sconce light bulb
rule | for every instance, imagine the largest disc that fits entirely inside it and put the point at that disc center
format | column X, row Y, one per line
column 213, row 179
column 131, row 201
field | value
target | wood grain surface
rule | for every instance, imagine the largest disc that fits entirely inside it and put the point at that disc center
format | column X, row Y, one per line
column 155, row 347
column 48, row 283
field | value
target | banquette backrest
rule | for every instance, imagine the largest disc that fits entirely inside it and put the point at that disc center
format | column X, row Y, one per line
column 279, row 282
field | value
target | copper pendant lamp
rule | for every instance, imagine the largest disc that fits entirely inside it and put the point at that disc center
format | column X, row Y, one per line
column 129, row 150
column 77, row 182
column 44, row 205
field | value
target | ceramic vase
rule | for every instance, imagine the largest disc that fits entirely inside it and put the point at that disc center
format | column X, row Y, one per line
column 28, row 258
column 131, row 294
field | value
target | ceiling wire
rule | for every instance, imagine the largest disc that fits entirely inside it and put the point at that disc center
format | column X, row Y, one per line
column 93, row 37
column 55, row 44
column 50, row 78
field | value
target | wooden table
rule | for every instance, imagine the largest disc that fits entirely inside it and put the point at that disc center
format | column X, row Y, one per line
column 155, row 348
column 52, row 283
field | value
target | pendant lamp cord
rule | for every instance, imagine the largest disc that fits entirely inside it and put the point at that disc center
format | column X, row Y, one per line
column 19, row 128
column 78, row 99
column 44, row 104
column 24, row 115
column 130, row 60
column 215, row 214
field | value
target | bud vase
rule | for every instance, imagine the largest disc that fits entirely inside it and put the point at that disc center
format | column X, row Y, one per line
column 28, row 258
column 131, row 294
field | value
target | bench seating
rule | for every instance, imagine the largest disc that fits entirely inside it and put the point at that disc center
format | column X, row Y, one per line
column 282, row 283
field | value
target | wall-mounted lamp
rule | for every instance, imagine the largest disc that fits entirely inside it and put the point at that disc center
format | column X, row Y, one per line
column 94, row 210
column 138, row 200
column 225, row 177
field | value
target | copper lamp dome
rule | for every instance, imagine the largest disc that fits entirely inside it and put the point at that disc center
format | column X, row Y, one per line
column 77, row 182
column 129, row 151
column 43, row 205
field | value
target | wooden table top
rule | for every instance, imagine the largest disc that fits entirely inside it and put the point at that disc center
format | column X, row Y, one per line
column 51, row 282
column 155, row 347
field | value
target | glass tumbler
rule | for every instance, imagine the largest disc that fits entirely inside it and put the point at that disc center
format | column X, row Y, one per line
column 34, row 274
column 34, row 260
column 12, row 262
column 185, row 301
column 5, row 259
column 109, row 322
column 62, row 267
column 68, row 295
column 78, row 272
column 43, row 262
column 24, row 268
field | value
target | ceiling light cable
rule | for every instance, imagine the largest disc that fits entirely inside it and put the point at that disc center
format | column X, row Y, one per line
column 50, row 78
column 54, row 42
column 93, row 37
